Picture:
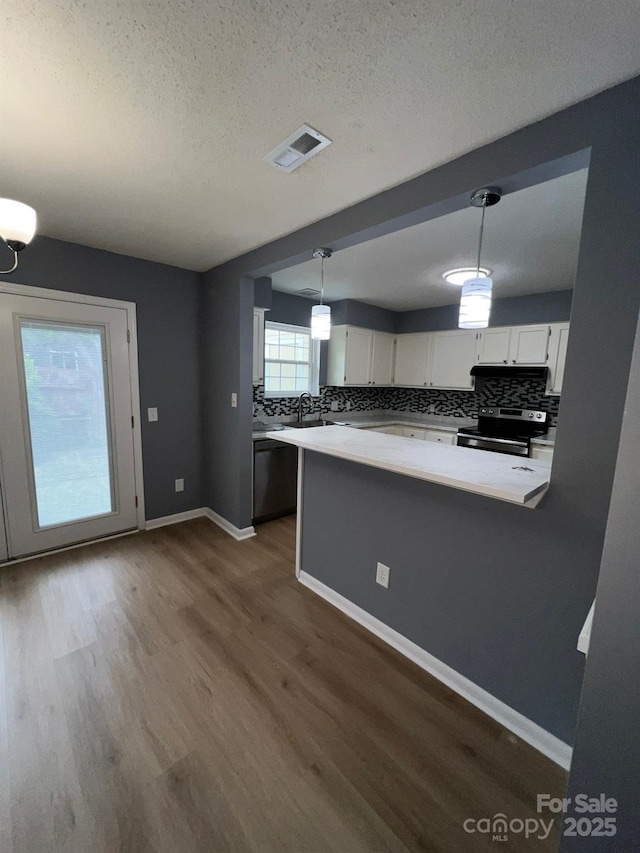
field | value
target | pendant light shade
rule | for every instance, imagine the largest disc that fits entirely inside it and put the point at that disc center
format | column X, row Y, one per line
column 475, row 297
column 17, row 227
column 320, row 322
column 321, row 314
column 475, row 304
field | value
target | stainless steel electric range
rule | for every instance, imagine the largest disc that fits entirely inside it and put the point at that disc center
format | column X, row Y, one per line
column 505, row 430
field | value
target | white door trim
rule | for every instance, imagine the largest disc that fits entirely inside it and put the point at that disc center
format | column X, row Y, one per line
column 130, row 308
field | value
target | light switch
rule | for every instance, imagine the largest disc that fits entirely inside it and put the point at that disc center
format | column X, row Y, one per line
column 180, row 485
column 234, row 400
column 152, row 414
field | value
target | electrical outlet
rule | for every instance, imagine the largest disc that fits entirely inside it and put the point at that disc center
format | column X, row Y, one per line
column 152, row 414
column 234, row 400
column 180, row 485
column 335, row 406
column 382, row 575
column 348, row 405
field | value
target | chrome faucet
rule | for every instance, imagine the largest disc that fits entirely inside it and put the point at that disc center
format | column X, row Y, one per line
column 300, row 399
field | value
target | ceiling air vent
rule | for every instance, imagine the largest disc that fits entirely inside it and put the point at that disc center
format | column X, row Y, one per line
column 308, row 291
column 297, row 149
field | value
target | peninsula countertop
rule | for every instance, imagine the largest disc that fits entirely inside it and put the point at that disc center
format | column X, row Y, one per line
column 495, row 475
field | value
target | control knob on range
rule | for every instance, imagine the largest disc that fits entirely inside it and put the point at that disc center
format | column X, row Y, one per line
column 530, row 414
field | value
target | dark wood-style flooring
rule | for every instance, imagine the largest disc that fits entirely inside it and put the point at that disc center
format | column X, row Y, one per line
column 179, row 691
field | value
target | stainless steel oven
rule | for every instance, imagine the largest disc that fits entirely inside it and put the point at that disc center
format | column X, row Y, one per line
column 505, row 430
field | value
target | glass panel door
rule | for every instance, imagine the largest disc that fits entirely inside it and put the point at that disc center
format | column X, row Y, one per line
column 66, row 438
column 65, row 383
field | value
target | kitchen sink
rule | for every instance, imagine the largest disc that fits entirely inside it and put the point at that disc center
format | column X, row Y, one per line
column 306, row 424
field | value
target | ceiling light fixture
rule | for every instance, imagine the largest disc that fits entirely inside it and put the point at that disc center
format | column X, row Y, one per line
column 462, row 274
column 321, row 314
column 17, row 227
column 475, row 299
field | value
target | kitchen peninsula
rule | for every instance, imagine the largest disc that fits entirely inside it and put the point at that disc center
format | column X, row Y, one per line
column 494, row 475
column 408, row 538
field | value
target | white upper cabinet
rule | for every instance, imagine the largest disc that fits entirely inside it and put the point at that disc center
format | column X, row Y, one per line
column 529, row 345
column 258, row 345
column 382, row 359
column 453, row 356
column 359, row 357
column 412, row 360
column 557, row 356
column 444, row 360
column 359, row 348
column 493, row 346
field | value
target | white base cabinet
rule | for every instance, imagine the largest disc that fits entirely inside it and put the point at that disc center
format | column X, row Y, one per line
column 441, row 436
column 541, row 452
column 387, row 430
column 414, row 432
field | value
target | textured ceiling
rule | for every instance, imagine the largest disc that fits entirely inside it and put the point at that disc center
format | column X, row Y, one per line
column 140, row 125
column 531, row 243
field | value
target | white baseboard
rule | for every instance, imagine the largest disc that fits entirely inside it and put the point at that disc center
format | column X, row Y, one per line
column 153, row 523
column 202, row 512
column 542, row 740
column 238, row 533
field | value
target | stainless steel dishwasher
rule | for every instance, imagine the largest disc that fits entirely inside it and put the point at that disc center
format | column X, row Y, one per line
column 275, row 470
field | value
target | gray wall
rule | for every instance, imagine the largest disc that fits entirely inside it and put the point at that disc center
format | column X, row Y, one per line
column 167, row 310
column 226, row 358
column 289, row 308
column 560, row 545
column 361, row 314
column 489, row 588
column 553, row 307
column 607, row 753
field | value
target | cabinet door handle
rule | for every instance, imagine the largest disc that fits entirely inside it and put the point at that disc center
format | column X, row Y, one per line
column 505, row 361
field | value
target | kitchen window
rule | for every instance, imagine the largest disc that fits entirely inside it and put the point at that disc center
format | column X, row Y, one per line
column 291, row 361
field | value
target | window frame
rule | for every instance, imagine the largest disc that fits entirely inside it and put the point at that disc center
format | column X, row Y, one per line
column 313, row 362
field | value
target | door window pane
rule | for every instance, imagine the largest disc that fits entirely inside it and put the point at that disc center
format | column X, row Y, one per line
column 64, row 374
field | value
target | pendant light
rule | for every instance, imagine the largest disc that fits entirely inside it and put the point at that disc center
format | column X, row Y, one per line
column 321, row 314
column 475, row 299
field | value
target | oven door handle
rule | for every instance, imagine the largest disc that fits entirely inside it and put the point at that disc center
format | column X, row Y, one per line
column 478, row 438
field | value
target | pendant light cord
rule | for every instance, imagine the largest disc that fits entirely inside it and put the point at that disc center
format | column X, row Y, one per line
column 321, row 279
column 480, row 241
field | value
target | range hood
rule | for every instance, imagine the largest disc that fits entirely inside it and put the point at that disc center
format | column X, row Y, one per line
column 507, row 371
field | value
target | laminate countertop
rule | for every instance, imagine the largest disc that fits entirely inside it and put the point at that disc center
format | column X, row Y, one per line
column 495, row 475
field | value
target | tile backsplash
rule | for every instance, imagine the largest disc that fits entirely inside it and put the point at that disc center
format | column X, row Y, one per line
column 520, row 393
